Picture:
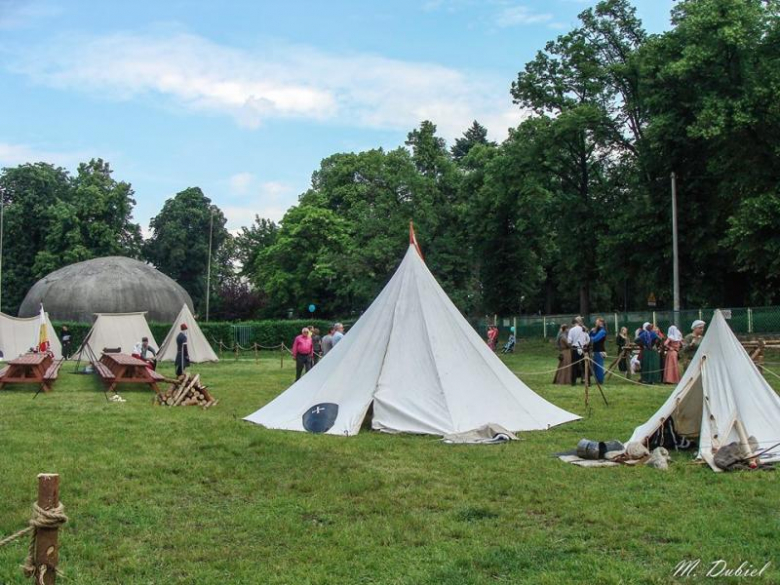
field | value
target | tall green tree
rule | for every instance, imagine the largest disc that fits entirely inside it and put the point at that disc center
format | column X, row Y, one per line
column 476, row 134
column 179, row 245
column 53, row 219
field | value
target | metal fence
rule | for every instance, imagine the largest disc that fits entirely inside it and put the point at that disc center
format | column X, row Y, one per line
column 743, row 321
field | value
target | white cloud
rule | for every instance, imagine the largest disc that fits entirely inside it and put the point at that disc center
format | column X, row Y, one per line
column 17, row 154
column 519, row 15
column 240, row 182
column 283, row 82
column 268, row 199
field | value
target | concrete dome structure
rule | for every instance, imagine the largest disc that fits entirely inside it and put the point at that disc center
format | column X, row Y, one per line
column 106, row 285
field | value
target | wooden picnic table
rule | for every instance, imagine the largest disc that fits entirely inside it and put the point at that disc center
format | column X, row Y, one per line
column 31, row 368
column 121, row 368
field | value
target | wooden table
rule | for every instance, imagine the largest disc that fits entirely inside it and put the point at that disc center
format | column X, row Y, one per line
column 31, row 368
column 120, row 368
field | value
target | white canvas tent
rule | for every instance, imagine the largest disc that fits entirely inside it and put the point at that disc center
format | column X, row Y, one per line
column 116, row 330
column 422, row 366
column 17, row 336
column 721, row 389
column 198, row 347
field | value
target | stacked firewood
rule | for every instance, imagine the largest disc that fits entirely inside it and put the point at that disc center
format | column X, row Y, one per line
column 187, row 391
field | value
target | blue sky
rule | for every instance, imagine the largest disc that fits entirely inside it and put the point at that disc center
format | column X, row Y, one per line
column 245, row 98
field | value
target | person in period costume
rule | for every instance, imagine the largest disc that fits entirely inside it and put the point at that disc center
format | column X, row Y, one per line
column 182, row 360
column 579, row 340
column 661, row 347
column 598, row 337
column 621, row 341
column 563, row 374
column 693, row 340
column 492, row 337
column 302, row 352
column 673, row 345
column 651, row 363
column 144, row 351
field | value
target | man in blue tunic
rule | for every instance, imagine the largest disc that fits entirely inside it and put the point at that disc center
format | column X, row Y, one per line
column 598, row 336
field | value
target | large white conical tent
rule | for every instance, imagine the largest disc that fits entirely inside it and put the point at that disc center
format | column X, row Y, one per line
column 721, row 389
column 422, row 366
column 115, row 330
column 198, row 347
column 18, row 336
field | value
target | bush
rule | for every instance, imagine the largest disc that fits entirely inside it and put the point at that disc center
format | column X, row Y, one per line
column 266, row 333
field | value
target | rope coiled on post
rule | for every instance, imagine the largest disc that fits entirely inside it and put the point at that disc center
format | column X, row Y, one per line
column 53, row 518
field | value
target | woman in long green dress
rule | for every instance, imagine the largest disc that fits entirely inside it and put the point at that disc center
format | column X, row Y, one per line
column 651, row 361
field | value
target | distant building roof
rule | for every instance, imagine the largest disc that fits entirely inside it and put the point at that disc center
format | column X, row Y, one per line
column 113, row 284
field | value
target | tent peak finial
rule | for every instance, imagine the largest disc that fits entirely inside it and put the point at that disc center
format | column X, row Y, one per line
column 413, row 239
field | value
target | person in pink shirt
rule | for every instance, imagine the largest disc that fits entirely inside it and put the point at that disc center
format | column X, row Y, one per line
column 303, row 352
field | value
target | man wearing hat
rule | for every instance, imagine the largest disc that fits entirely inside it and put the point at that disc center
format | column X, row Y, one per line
column 693, row 340
column 182, row 355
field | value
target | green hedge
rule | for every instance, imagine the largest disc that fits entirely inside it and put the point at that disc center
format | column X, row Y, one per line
column 247, row 333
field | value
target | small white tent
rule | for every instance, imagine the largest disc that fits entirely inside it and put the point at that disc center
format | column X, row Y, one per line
column 198, row 347
column 115, row 330
column 721, row 394
column 422, row 366
column 17, row 336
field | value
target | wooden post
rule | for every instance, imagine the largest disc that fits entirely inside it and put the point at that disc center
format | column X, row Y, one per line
column 235, row 349
column 220, row 349
column 750, row 320
column 587, row 379
column 544, row 325
column 256, row 357
column 47, row 550
column 281, row 356
column 616, row 325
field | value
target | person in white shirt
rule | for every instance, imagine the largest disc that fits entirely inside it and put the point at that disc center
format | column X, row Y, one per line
column 579, row 339
column 338, row 333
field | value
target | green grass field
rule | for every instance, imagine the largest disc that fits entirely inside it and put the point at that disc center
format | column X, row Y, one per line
column 180, row 495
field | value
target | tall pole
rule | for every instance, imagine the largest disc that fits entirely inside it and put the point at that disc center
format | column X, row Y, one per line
column 208, row 267
column 675, row 253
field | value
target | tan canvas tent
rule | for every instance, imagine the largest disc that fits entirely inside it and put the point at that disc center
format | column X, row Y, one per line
column 116, row 330
column 422, row 367
column 721, row 397
column 198, row 347
column 18, row 335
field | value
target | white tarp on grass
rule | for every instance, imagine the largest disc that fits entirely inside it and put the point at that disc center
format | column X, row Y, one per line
column 198, row 347
column 18, row 336
column 721, row 386
column 422, row 366
column 116, row 330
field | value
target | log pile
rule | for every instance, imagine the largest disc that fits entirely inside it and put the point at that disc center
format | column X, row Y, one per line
column 187, row 391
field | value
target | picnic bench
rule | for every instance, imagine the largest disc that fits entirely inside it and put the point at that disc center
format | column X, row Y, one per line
column 120, row 368
column 31, row 368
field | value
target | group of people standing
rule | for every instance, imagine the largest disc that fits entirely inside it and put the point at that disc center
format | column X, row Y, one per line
column 308, row 347
column 576, row 344
column 657, row 359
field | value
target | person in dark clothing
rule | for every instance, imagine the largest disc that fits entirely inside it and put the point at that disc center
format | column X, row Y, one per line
column 66, row 339
column 317, row 342
column 182, row 355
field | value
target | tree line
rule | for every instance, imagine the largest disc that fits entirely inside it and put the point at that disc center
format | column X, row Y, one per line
column 570, row 213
